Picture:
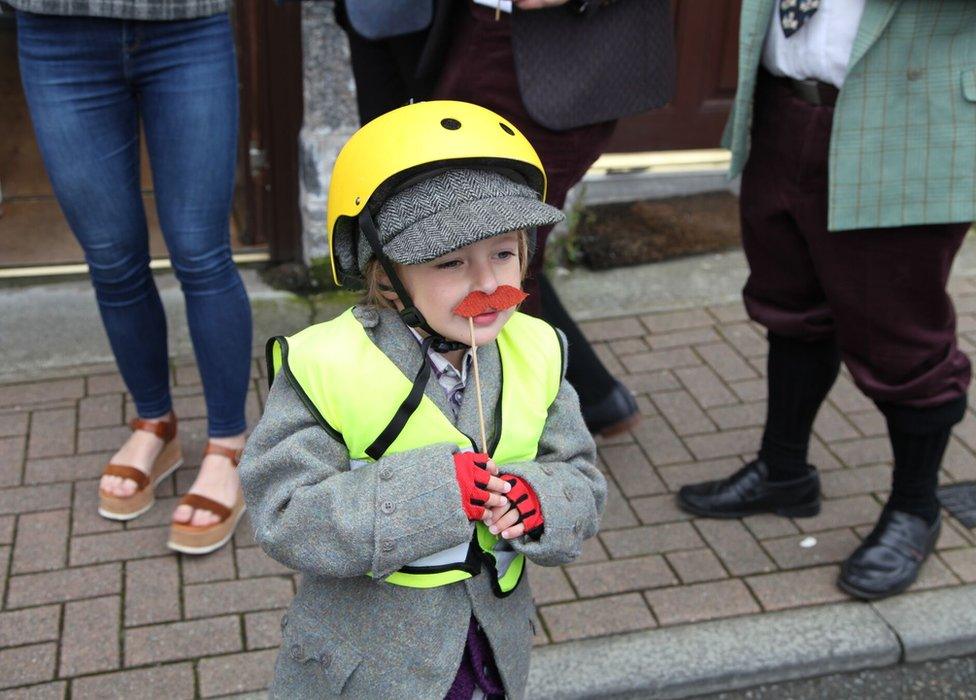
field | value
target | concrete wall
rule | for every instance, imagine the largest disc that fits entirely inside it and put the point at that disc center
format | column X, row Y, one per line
column 330, row 118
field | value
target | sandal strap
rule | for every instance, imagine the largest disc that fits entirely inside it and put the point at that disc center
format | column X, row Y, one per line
column 198, row 502
column 163, row 429
column 233, row 455
column 126, row 472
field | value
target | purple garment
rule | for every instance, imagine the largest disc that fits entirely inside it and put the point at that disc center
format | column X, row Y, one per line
column 880, row 293
column 477, row 668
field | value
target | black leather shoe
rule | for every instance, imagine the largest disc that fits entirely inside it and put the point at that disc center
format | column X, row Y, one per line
column 614, row 414
column 749, row 491
column 889, row 559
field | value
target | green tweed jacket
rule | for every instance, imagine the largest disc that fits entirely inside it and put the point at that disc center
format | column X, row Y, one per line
column 903, row 146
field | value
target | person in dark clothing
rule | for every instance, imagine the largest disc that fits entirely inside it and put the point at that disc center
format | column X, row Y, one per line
column 563, row 73
column 385, row 66
column 849, row 248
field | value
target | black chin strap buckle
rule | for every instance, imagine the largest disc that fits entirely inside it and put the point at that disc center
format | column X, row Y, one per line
column 443, row 345
column 411, row 316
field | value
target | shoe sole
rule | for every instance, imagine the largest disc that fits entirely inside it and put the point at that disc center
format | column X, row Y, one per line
column 873, row 595
column 125, row 517
column 212, row 547
column 620, row 426
column 801, row 511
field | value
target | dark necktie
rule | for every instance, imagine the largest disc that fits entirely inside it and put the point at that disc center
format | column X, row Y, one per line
column 793, row 14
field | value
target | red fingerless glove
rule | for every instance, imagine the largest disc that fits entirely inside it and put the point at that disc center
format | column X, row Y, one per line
column 472, row 474
column 524, row 499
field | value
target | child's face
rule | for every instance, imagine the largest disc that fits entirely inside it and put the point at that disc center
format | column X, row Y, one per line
column 439, row 285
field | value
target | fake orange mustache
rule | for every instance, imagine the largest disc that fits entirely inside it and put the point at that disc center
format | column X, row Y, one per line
column 477, row 303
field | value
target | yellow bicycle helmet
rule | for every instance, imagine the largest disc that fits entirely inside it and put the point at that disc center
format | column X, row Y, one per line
column 401, row 146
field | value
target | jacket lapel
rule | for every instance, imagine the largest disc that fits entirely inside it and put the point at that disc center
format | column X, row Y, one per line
column 489, row 367
column 877, row 15
column 401, row 347
column 755, row 19
column 399, row 344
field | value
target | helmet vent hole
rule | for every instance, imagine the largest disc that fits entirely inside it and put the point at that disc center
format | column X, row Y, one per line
column 506, row 128
column 358, row 200
column 451, row 124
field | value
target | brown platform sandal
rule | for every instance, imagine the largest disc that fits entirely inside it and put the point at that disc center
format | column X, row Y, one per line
column 203, row 539
column 169, row 460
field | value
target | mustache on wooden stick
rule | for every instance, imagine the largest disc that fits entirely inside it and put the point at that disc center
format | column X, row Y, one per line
column 477, row 303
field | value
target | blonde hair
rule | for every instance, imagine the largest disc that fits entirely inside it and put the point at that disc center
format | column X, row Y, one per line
column 373, row 292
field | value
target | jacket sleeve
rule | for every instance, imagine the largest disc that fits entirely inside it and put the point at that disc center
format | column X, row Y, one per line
column 312, row 513
column 571, row 490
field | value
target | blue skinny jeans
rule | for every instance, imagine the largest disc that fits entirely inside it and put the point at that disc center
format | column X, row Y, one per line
column 89, row 83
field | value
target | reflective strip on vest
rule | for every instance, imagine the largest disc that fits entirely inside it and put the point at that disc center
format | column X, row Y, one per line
column 354, row 390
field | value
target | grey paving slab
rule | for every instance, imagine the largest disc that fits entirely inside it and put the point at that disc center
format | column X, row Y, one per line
column 933, row 624
column 616, row 623
column 738, row 653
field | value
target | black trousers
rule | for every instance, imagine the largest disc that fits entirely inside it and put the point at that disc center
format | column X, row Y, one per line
column 385, row 70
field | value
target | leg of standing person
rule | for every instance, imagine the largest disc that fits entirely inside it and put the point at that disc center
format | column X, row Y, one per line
column 187, row 82
column 785, row 295
column 85, row 116
column 880, row 295
column 480, row 68
column 896, row 328
column 384, row 70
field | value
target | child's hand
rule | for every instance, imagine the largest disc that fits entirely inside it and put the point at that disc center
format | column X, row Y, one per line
column 480, row 489
column 505, row 519
column 521, row 516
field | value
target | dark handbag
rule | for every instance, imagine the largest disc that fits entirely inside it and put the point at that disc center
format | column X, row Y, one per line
column 579, row 69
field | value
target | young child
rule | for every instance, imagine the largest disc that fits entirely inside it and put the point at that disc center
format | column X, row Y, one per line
column 367, row 473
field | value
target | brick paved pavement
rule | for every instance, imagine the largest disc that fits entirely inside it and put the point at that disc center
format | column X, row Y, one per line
column 98, row 608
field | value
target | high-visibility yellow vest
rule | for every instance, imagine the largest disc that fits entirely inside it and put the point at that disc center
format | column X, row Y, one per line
column 358, row 395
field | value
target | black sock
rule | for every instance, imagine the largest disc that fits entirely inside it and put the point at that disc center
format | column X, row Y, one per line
column 585, row 371
column 800, row 375
column 918, row 440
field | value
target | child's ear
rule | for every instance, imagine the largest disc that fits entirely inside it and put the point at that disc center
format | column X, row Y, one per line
column 386, row 289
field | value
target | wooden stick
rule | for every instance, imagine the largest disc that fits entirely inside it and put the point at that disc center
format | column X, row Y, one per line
column 477, row 386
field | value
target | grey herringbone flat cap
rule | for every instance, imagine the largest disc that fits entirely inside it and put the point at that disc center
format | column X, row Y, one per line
column 451, row 210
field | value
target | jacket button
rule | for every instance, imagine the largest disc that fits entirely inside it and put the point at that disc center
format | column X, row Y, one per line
column 547, row 470
column 325, row 658
column 388, row 507
column 284, row 621
column 386, row 473
column 578, row 527
column 387, row 545
column 569, row 493
column 296, row 652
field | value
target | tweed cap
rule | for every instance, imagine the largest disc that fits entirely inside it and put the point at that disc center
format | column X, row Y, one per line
column 452, row 209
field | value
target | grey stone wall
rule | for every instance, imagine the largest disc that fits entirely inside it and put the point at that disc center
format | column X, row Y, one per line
column 330, row 118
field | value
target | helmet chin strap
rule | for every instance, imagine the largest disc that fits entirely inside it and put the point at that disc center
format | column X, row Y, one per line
column 409, row 314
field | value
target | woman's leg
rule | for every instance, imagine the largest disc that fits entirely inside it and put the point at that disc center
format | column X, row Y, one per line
column 187, row 82
column 85, row 117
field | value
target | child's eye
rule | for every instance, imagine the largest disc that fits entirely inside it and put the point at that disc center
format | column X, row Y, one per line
column 448, row 265
column 506, row 254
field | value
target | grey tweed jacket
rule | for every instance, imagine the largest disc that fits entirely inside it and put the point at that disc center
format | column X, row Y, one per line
column 352, row 636
column 125, row 9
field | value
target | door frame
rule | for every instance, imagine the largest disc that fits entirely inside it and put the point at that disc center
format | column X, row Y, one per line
column 269, row 40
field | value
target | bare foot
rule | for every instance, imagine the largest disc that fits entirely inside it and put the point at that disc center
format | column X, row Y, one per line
column 217, row 480
column 139, row 451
